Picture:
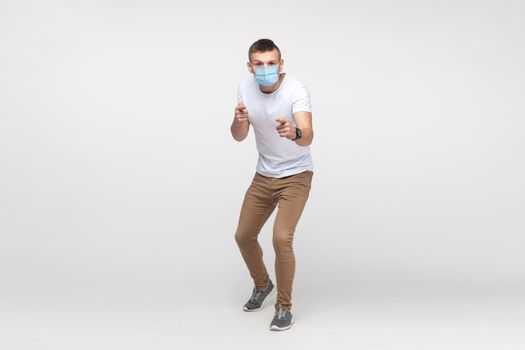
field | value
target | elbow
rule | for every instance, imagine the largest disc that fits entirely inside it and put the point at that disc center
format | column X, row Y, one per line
column 238, row 139
column 238, row 136
column 310, row 139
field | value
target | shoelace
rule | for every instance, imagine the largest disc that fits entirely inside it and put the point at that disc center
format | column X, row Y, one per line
column 256, row 294
column 280, row 313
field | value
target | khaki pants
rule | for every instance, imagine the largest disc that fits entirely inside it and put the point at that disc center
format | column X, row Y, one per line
column 260, row 200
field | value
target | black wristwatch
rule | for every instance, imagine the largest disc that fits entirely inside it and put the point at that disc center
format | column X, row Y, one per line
column 298, row 134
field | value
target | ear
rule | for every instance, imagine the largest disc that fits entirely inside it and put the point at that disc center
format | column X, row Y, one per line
column 281, row 65
column 250, row 68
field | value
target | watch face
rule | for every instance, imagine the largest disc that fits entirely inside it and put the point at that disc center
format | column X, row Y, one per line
column 299, row 132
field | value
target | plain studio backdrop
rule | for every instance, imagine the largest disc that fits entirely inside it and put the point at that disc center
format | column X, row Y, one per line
column 121, row 186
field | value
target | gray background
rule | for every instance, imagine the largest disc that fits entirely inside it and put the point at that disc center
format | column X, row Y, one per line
column 120, row 184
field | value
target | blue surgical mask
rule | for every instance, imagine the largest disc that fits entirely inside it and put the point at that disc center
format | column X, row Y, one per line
column 267, row 76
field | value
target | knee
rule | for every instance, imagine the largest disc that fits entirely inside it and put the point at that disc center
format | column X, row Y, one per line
column 243, row 237
column 282, row 239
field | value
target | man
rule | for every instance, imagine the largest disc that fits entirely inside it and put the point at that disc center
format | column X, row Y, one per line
column 278, row 107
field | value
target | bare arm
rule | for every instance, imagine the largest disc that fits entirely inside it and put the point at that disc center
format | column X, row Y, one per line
column 303, row 120
column 240, row 125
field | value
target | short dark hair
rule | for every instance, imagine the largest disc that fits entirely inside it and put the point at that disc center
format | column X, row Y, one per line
column 262, row 45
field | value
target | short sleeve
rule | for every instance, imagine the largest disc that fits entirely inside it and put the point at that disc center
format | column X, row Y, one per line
column 301, row 100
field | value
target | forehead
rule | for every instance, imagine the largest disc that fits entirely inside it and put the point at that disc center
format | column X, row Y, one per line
column 266, row 56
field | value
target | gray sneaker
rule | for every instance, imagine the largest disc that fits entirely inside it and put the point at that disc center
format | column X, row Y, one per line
column 258, row 297
column 282, row 320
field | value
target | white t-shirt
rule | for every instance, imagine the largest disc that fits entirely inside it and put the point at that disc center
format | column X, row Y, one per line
column 278, row 156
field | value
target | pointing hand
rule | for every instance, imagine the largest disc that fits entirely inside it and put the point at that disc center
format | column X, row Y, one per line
column 241, row 113
column 285, row 128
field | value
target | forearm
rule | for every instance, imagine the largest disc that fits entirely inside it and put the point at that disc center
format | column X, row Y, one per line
column 307, row 137
column 239, row 130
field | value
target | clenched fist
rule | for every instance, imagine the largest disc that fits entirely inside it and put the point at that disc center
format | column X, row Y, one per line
column 241, row 113
column 285, row 129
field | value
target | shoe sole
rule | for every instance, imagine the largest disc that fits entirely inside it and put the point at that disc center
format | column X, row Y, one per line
column 277, row 328
column 265, row 301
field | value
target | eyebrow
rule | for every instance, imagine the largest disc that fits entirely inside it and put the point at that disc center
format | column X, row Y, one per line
column 270, row 61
